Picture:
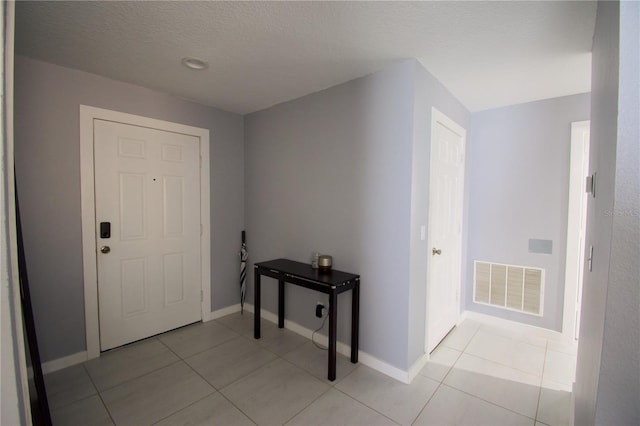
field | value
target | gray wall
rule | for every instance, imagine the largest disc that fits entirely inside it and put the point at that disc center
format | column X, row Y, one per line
column 607, row 389
column 429, row 93
column 345, row 172
column 47, row 99
column 619, row 384
column 331, row 172
column 519, row 189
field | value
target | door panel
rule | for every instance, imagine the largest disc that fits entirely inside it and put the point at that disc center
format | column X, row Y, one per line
column 147, row 184
column 445, row 228
column 132, row 207
column 173, row 278
column 133, row 283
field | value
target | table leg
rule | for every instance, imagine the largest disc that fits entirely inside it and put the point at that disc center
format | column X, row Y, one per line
column 256, row 304
column 333, row 319
column 280, row 303
column 355, row 320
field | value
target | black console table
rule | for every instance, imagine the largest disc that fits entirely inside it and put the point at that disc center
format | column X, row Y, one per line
column 330, row 282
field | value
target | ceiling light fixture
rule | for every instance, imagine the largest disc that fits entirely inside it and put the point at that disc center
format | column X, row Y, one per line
column 194, row 63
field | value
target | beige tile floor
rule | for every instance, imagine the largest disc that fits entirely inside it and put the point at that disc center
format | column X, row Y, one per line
column 216, row 374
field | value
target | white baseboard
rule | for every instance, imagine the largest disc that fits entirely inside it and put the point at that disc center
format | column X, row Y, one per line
column 381, row 366
column 64, row 362
column 417, row 366
column 342, row 348
column 531, row 330
column 224, row 311
column 206, row 317
column 80, row 357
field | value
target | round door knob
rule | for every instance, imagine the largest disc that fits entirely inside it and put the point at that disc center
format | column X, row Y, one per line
column 436, row 251
column 105, row 249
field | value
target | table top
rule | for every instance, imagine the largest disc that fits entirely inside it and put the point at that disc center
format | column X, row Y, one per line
column 305, row 271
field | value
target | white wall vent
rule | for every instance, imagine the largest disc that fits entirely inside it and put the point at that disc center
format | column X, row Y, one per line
column 516, row 288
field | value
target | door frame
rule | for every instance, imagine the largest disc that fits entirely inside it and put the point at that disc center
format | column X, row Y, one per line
column 439, row 117
column 574, row 264
column 87, row 187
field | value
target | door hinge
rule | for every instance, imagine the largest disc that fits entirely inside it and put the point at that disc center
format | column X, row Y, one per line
column 202, row 295
column 591, row 185
column 590, row 260
column 201, row 230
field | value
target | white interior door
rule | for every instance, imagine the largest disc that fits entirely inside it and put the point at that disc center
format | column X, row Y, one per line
column 446, row 187
column 147, row 186
column 576, row 227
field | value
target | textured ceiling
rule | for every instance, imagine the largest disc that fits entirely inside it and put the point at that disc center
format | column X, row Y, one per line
column 488, row 54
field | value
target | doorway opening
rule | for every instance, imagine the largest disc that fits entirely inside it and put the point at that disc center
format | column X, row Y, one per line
column 90, row 232
column 444, row 253
column 576, row 228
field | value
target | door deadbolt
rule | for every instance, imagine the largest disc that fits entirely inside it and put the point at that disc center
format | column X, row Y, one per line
column 105, row 249
column 105, row 229
column 435, row 251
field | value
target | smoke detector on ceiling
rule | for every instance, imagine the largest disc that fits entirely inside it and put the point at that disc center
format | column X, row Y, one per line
column 194, row 63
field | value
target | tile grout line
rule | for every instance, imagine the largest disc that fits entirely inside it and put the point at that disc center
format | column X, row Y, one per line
column 141, row 376
column 451, row 368
column 338, row 356
column 360, row 402
column 179, row 360
column 282, row 358
column 364, row 403
column 237, row 408
column 219, row 391
column 307, row 406
column 482, row 399
column 505, row 365
column 278, row 357
column 216, row 390
column 137, row 377
column 49, row 395
column 472, row 337
column 251, row 338
column 170, row 350
column 99, row 392
column 183, row 408
column 427, row 403
column 374, row 409
column 489, row 402
column 104, row 404
column 84, row 398
column 203, row 350
column 237, row 379
column 544, row 366
column 333, row 385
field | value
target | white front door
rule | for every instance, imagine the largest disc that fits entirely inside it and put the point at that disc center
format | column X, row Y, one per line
column 446, row 185
column 147, row 188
